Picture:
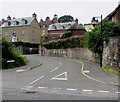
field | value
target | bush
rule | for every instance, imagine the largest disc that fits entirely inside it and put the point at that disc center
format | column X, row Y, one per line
column 9, row 54
column 93, row 39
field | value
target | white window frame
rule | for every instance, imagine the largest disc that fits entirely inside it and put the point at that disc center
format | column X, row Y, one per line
column 6, row 33
column 23, row 32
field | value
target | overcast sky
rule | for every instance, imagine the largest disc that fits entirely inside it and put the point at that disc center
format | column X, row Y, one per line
column 84, row 10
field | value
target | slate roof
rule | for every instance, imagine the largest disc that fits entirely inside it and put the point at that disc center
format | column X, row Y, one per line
column 61, row 26
column 65, row 26
column 19, row 22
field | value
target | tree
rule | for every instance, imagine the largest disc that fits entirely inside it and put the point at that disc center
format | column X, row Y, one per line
column 65, row 18
column 109, row 29
column 66, row 34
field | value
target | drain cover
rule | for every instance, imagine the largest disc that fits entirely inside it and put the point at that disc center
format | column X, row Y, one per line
column 31, row 92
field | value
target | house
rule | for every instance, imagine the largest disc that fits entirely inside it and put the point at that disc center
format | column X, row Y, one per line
column 56, row 30
column 90, row 26
column 115, row 15
column 25, row 29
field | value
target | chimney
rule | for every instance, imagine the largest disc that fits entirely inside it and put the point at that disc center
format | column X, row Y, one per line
column 8, row 18
column 76, row 20
column 34, row 15
column 94, row 20
column 3, row 20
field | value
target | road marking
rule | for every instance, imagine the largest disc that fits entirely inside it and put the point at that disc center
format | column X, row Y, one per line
column 60, row 63
column 87, row 90
column 36, row 80
column 57, row 88
column 70, row 89
column 56, row 77
column 42, row 87
column 87, row 75
column 104, row 91
column 86, row 71
column 20, row 70
column 30, row 86
column 54, row 69
column 117, row 92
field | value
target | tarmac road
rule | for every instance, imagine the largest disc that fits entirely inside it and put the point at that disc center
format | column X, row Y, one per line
column 55, row 79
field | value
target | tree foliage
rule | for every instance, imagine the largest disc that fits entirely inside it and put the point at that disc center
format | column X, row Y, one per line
column 9, row 54
column 66, row 18
column 93, row 40
column 66, row 34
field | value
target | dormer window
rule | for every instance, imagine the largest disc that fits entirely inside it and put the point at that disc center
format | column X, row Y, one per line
column 24, row 21
column 54, row 27
column 63, row 27
column 8, row 23
column 15, row 23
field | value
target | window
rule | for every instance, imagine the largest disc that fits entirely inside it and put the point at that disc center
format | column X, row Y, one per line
column 33, row 40
column 6, row 33
column 14, row 33
column 54, row 27
column 53, row 36
column 14, row 39
column 33, row 32
column 24, row 21
column 23, row 32
column 15, row 23
column 8, row 23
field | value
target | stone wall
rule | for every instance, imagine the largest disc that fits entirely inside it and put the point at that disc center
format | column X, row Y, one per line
column 111, row 52
column 73, row 53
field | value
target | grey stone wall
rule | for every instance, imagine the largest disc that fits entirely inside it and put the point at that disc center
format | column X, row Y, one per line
column 111, row 52
column 74, row 53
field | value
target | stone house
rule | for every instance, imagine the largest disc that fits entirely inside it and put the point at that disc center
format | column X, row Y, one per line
column 56, row 30
column 90, row 26
column 44, row 25
column 25, row 29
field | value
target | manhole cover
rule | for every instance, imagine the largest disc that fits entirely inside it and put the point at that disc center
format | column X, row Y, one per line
column 31, row 92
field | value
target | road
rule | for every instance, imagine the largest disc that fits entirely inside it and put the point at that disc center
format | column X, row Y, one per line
column 55, row 79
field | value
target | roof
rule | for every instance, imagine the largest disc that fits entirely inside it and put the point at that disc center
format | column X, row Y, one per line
column 19, row 22
column 61, row 26
column 77, row 26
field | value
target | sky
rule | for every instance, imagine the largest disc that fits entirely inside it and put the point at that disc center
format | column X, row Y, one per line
column 84, row 10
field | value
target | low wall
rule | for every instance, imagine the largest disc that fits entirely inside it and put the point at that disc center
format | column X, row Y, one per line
column 73, row 53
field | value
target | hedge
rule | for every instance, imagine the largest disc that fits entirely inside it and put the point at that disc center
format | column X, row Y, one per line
column 65, row 43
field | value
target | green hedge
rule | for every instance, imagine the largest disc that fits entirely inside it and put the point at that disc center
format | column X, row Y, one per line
column 65, row 43
column 9, row 54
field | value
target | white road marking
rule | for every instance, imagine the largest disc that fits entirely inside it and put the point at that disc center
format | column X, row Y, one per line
column 117, row 92
column 104, row 91
column 60, row 63
column 54, row 69
column 56, row 77
column 57, row 88
column 36, row 80
column 42, row 87
column 30, row 86
column 70, row 89
column 82, row 71
column 87, row 90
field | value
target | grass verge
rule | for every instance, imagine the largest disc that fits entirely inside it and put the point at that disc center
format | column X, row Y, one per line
column 112, row 70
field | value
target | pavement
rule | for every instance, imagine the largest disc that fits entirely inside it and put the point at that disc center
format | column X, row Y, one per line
column 93, row 71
